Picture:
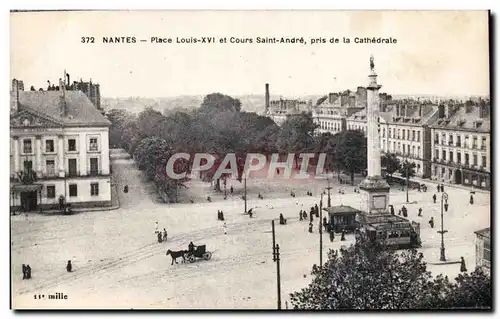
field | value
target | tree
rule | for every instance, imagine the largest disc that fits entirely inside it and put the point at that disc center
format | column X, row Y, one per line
column 366, row 276
column 407, row 169
column 390, row 163
column 296, row 135
column 468, row 291
column 369, row 276
column 350, row 152
column 117, row 117
column 219, row 102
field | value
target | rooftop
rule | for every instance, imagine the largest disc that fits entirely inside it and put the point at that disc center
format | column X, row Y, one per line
column 461, row 119
column 342, row 209
column 80, row 110
column 483, row 232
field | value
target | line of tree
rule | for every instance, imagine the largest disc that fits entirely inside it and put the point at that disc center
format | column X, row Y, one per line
column 369, row 276
column 219, row 127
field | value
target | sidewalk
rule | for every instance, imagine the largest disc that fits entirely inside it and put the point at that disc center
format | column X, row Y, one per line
column 115, row 204
column 428, row 181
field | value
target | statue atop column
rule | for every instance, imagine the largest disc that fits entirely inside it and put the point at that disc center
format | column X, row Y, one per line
column 372, row 63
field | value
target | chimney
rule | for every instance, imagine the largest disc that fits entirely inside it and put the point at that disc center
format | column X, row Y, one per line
column 441, row 111
column 448, row 111
column 483, row 109
column 63, row 110
column 267, row 97
column 97, row 96
column 14, row 97
column 330, row 98
column 68, row 83
column 420, row 110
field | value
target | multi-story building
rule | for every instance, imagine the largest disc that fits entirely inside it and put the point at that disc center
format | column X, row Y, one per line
column 483, row 249
column 280, row 110
column 460, row 144
column 357, row 121
column 329, row 115
column 405, row 132
column 59, row 150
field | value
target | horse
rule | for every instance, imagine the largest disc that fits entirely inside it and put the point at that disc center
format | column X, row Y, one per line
column 177, row 254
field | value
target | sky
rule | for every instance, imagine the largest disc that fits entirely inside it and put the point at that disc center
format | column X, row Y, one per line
column 437, row 52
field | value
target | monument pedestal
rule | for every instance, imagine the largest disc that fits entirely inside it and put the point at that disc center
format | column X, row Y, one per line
column 375, row 195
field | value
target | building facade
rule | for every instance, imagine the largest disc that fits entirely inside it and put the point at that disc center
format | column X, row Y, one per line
column 59, row 150
column 461, row 145
column 405, row 132
column 483, row 249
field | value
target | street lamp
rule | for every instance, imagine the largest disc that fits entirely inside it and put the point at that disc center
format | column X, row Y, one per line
column 329, row 188
column 321, row 231
column 444, row 204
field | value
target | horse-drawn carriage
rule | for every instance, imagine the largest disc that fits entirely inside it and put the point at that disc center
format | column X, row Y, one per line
column 199, row 252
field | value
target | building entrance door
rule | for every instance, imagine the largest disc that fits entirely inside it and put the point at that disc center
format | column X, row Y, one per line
column 29, row 201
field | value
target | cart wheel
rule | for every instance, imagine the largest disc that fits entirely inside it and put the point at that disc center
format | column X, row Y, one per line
column 207, row 255
column 192, row 259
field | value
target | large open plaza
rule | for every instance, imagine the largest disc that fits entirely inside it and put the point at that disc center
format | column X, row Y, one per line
column 118, row 261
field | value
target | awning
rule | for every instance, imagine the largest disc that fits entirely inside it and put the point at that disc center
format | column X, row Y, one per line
column 26, row 187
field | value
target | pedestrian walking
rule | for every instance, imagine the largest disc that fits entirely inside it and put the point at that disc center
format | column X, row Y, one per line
column 28, row 272
column 431, row 222
column 24, row 272
column 434, row 198
column 420, row 212
column 392, row 210
column 231, row 189
column 225, row 229
column 462, row 265
column 165, row 234
column 156, row 228
column 310, row 227
column 342, row 235
column 69, row 267
column 316, row 209
column 160, row 237
column 325, row 224
column 471, row 201
column 442, row 188
column 125, row 189
column 332, row 236
column 399, row 212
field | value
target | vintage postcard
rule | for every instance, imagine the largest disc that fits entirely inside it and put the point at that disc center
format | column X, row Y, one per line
column 284, row 160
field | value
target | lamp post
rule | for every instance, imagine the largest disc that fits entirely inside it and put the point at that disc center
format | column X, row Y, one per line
column 245, row 195
column 444, row 204
column 329, row 198
column 321, row 232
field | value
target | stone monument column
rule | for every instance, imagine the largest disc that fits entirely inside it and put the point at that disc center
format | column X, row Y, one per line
column 374, row 188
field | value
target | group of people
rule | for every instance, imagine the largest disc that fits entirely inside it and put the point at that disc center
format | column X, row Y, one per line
column 161, row 235
column 26, row 271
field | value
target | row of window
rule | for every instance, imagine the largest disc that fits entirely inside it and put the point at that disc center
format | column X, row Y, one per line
column 325, row 125
column 458, row 142
column 93, row 145
column 50, row 166
column 73, row 190
column 404, row 149
column 458, row 157
column 356, row 127
column 403, row 134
